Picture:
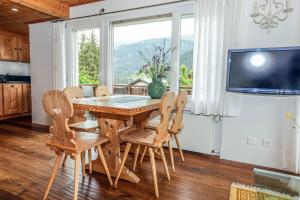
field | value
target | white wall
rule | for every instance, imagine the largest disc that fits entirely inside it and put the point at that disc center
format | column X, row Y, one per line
column 14, row 68
column 41, row 51
column 261, row 116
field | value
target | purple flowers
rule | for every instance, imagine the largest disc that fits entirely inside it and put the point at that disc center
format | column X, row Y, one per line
column 158, row 65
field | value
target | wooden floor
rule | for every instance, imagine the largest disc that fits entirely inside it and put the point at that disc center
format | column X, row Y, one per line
column 26, row 163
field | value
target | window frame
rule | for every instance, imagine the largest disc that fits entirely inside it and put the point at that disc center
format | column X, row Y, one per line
column 105, row 24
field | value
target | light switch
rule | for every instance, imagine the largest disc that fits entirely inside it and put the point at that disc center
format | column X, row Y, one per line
column 251, row 140
column 267, row 142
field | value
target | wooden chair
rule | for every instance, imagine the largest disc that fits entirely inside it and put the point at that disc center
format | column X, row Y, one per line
column 153, row 139
column 101, row 91
column 175, row 126
column 63, row 140
column 79, row 122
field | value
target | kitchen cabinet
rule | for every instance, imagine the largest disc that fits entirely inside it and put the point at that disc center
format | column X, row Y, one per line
column 23, row 48
column 26, row 98
column 8, row 46
column 14, row 47
column 12, row 99
column 1, row 100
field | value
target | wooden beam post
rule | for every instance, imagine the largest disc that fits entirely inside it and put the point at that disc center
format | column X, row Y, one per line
column 54, row 8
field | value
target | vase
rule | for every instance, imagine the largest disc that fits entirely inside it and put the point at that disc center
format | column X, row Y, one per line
column 156, row 89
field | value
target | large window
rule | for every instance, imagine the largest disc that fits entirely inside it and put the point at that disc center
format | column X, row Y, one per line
column 186, row 53
column 88, row 56
column 135, row 43
column 131, row 41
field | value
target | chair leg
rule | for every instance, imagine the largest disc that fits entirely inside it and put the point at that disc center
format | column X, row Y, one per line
column 179, row 147
column 127, row 148
column 104, row 164
column 83, row 163
column 65, row 159
column 171, row 154
column 90, row 161
column 76, row 175
column 152, row 159
column 143, row 154
column 54, row 172
column 165, row 162
column 136, row 155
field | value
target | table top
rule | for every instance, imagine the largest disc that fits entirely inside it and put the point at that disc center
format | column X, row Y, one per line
column 283, row 183
column 117, row 104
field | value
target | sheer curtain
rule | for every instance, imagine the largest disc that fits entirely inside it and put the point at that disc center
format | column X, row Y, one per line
column 218, row 28
column 65, row 62
column 72, row 68
column 291, row 136
column 59, row 68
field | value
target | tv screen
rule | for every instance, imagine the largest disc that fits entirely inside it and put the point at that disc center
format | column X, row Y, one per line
column 264, row 71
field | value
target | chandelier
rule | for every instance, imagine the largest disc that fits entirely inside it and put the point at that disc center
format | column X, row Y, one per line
column 270, row 12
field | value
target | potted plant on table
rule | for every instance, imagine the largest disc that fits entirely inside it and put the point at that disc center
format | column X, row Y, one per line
column 156, row 68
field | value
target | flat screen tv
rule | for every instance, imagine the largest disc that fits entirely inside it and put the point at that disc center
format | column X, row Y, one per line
column 264, row 71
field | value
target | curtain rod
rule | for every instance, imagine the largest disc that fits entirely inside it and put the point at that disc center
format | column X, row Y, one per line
column 102, row 11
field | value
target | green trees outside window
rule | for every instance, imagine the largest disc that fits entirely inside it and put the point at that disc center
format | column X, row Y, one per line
column 89, row 59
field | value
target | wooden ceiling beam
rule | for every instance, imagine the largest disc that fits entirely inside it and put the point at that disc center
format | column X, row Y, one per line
column 54, row 8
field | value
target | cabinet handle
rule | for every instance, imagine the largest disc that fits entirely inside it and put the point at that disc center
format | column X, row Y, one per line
column 12, row 86
column 21, row 49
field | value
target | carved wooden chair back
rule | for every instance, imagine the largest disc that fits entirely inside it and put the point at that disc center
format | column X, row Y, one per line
column 74, row 92
column 165, row 108
column 181, row 100
column 101, row 91
column 60, row 109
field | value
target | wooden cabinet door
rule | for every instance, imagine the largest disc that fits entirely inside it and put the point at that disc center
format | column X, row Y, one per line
column 12, row 99
column 1, row 100
column 23, row 48
column 8, row 46
column 26, row 98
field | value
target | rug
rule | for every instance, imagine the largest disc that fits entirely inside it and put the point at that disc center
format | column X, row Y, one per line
column 245, row 192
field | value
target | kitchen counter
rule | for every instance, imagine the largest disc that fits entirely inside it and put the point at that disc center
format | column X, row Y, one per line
column 14, row 79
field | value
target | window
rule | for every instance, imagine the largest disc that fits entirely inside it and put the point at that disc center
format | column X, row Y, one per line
column 134, row 43
column 88, row 45
column 186, row 53
column 128, row 40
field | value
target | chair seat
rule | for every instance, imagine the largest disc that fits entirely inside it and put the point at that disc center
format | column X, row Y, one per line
column 140, row 136
column 152, row 124
column 85, row 126
column 84, row 141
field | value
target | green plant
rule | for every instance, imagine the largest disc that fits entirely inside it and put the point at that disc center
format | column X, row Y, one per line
column 186, row 76
column 89, row 59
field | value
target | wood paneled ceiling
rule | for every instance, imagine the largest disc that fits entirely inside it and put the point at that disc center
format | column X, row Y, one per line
column 33, row 11
column 72, row 3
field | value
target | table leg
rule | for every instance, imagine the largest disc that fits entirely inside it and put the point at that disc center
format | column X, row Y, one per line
column 110, row 127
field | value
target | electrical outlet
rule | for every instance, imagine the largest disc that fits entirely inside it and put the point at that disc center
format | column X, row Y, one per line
column 267, row 142
column 251, row 140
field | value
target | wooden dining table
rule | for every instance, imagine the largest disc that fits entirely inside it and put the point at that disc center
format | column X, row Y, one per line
column 112, row 112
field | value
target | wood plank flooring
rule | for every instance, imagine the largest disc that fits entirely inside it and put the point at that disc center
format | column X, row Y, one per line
column 26, row 164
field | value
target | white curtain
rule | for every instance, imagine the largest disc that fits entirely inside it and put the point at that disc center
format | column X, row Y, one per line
column 218, row 28
column 72, row 61
column 60, row 75
column 291, row 136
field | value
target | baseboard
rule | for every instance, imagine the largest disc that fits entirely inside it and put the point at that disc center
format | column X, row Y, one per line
column 240, row 164
column 40, row 127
